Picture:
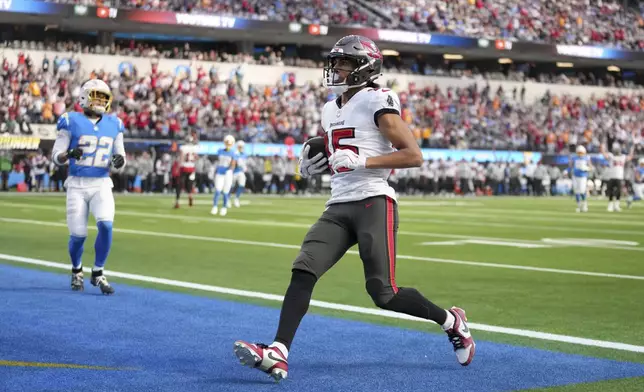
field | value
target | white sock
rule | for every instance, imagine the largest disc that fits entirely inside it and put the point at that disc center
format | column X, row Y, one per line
column 281, row 347
column 97, row 268
column 449, row 321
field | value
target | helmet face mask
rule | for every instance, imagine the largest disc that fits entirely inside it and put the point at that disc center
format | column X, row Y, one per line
column 357, row 57
column 96, row 97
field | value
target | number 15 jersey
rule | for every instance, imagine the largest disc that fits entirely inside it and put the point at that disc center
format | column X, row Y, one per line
column 354, row 127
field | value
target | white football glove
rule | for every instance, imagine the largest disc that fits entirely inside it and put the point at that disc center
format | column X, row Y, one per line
column 310, row 167
column 348, row 159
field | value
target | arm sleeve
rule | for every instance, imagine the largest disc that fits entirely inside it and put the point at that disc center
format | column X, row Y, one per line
column 119, row 148
column 61, row 145
column 383, row 101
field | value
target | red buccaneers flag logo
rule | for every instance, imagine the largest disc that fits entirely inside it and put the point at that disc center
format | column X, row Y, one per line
column 372, row 51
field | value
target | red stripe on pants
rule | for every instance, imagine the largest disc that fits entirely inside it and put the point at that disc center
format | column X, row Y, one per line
column 391, row 244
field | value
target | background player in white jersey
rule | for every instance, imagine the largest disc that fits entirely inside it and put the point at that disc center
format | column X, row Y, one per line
column 91, row 141
column 239, row 173
column 615, row 173
column 365, row 139
column 580, row 166
column 188, row 155
column 224, row 175
column 40, row 165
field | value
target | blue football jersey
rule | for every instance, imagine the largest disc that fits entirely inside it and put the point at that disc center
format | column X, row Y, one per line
column 242, row 160
column 96, row 141
column 580, row 166
column 640, row 171
column 226, row 158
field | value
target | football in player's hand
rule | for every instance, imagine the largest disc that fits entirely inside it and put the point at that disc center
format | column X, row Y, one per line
column 316, row 146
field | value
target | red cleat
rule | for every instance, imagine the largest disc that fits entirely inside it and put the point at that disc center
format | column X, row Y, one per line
column 265, row 358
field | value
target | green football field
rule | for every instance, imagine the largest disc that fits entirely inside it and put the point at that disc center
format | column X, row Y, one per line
column 529, row 272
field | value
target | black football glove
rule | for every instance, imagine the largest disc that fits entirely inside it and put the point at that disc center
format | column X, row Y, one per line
column 75, row 153
column 118, row 161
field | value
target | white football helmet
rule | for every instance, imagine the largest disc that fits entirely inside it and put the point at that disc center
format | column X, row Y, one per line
column 229, row 141
column 581, row 150
column 240, row 146
column 95, row 96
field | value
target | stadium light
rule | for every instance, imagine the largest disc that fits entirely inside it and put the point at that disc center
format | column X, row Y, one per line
column 390, row 52
column 453, row 57
column 613, row 68
column 565, row 65
column 505, row 60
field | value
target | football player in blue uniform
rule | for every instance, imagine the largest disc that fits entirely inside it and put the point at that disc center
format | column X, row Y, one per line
column 239, row 174
column 91, row 142
column 224, row 174
column 638, row 185
column 580, row 165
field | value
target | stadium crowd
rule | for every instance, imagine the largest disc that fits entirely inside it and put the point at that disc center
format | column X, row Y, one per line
column 159, row 105
column 274, row 56
column 578, row 22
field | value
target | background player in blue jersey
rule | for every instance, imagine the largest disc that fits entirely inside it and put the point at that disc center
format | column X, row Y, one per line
column 239, row 174
column 580, row 165
column 638, row 185
column 224, row 174
column 91, row 142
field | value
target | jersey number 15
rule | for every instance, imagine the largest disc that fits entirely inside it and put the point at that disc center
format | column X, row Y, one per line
column 336, row 136
column 96, row 152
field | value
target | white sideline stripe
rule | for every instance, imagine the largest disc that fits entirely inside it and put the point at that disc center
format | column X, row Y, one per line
column 341, row 307
column 353, row 252
column 192, row 219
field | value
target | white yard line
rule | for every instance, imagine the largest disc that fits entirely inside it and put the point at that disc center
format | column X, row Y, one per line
column 258, row 222
column 336, row 306
column 290, row 246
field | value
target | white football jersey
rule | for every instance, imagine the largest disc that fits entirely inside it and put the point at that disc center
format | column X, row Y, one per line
column 189, row 155
column 354, row 127
column 615, row 169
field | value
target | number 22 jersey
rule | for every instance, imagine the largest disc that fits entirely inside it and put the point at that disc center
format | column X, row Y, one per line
column 354, row 127
column 99, row 141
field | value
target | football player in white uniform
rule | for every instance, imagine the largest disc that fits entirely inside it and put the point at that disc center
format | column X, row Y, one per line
column 92, row 143
column 615, row 172
column 239, row 173
column 188, row 155
column 365, row 139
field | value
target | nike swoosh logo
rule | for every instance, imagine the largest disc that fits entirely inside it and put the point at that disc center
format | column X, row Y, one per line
column 368, row 205
column 274, row 358
column 465, row 328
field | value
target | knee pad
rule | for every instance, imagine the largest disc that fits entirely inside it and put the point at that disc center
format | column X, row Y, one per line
column 380, row 294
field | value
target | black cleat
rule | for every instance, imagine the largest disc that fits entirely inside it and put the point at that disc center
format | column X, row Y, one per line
column 102, row 283
column 77, row 281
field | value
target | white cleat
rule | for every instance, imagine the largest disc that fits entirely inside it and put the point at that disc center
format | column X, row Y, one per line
column 268, row 359
column 224, row 211
column 236, row 203
column 584, row 207
column 577, row 209
column 214, row 210
column 610, row 207
column 461, row 338
column 618, row 208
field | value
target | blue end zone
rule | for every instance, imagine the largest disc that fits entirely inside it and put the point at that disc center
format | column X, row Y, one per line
column 180, row 343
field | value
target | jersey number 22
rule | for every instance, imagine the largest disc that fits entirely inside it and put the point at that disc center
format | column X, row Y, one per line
column 96, row 151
